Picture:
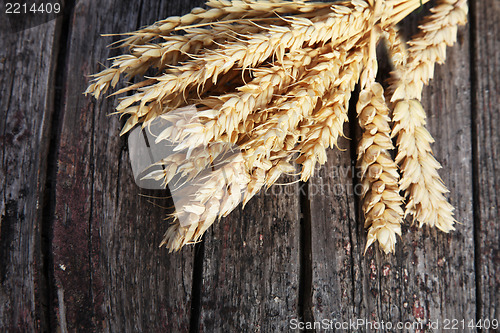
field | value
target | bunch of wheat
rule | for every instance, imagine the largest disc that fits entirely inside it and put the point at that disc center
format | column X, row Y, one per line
column 275, row 78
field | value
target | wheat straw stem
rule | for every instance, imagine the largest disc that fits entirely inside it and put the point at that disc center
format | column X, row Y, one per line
column 379, row 172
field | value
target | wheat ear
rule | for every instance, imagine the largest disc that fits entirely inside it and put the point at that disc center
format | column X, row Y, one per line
column 219, row 11
column 420, row 180
column 379, row 172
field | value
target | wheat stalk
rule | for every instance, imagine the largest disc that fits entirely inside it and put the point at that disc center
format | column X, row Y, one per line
column 271, row 82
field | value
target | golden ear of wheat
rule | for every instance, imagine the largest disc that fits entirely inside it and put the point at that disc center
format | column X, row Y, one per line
column 379, row 172
column 420, row 180
column 274, row 79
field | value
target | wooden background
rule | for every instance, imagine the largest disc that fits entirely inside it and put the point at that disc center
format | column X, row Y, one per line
column 79, row 246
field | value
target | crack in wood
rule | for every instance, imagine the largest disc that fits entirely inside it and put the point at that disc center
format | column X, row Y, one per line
column 305, row 259
column 47, row 283
column 476, row 212
column 197, row 286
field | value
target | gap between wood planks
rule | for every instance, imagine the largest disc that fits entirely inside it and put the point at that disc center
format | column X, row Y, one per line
column 46, row 278
column 305, row 258
column 476, row 214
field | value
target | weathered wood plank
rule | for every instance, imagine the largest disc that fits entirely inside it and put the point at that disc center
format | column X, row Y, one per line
column 335, row 252
column 251, row 265
column 486, row 115
column 431, row 277
column 26, row 98
column 110, row 274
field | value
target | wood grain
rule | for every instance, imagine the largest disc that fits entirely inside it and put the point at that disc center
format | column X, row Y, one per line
column 335, row 245
column 27, row 61
column 486, row 131
column 110, row 274
column 251, row 265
